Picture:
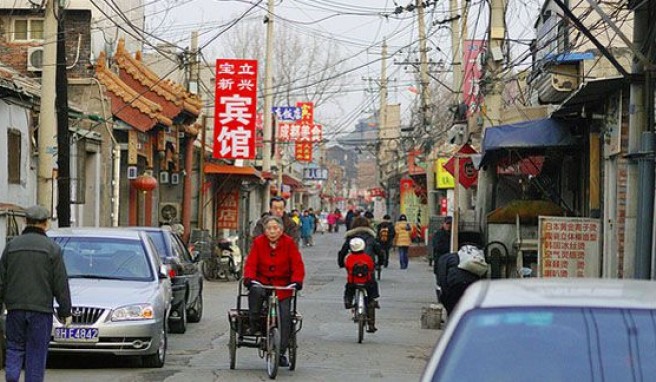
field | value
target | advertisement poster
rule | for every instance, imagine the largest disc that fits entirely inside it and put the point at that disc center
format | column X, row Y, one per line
column 569, row 247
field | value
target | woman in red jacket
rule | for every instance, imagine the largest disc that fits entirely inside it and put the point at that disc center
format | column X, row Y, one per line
column 274, row 259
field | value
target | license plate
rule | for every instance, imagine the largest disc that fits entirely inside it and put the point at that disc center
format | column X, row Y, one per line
column 76, row 334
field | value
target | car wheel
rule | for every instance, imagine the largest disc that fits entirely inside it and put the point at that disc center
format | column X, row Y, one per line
column 196, row 313
column 157, row 360
column 179, row 325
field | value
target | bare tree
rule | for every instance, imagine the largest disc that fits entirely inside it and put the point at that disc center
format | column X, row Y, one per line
column 305, row 69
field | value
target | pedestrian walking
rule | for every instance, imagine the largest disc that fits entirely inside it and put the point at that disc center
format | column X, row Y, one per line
column 385, row 236
column 307, row 228
column 32, row 273
column 441, row 246
column 277, row 208
column 402, row 240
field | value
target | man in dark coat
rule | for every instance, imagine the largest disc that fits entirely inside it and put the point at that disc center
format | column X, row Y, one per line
column 385, row 237
column 441, row 244
column 32, row 273
column 457, row 271
column 277, row 208
column 362, row 230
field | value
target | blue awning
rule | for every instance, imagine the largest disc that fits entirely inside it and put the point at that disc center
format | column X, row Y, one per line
column 528, row 135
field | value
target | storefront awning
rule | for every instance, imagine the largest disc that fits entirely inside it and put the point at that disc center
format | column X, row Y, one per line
column 590, row 91
column 286, row 179
column 528, row 135
column 225, row 169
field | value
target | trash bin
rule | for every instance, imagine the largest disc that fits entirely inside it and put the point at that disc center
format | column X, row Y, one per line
column 431, row 316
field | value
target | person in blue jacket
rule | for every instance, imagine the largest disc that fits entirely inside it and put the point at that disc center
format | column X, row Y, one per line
column 307, row 228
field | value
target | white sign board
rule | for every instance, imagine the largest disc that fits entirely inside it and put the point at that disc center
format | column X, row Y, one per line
column 569, row 247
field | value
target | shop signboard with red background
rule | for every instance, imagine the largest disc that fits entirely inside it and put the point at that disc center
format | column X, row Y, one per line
column 227, row 214
column 468, row 173
column 235, row 109
column 569, row 247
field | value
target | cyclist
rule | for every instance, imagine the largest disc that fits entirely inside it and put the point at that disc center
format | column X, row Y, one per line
column 275, row 260
column 360, row 228
column 360, row 270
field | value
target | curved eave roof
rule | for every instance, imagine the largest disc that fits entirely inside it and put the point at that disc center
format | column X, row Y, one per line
column 167, row 89
column 128, row 95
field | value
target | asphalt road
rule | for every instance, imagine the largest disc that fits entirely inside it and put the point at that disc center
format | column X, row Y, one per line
column 328, row 348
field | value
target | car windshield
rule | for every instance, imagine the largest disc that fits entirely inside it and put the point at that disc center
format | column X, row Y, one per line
column 551, row 344
column 105, row 258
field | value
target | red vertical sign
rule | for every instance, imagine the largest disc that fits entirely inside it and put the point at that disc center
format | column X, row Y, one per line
column 235, row 109
column 227, row 214
column 304, row 142
column 471, row 94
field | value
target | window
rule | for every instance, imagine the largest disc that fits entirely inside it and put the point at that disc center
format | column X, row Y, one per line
column 28, row 29
column 13, row 156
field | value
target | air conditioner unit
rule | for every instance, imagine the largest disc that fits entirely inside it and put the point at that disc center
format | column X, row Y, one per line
column 169, row 212
column 34, row 58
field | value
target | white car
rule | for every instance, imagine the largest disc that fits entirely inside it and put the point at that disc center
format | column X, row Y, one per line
column 121, row 295
column 549, row 330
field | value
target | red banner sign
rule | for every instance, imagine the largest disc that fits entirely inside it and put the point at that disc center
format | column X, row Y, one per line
column 299, row 131
column 235, row 109
column 304, row 147
column 227, row 214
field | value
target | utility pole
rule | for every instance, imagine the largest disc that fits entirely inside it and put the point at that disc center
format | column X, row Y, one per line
column 456, row 53
column 47, row 123
column 63, row 142
column 192, row 86
column 383, row 132
column 425, row 96
column 492, row 104
column 268, row 100
column 636, row 264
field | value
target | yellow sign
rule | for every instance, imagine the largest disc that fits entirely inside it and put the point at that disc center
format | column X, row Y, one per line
column 443, row 179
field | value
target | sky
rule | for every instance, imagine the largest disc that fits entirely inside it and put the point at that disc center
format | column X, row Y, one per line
column 356, row 27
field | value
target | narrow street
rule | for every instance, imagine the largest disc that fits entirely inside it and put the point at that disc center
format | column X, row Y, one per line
column 328, row 348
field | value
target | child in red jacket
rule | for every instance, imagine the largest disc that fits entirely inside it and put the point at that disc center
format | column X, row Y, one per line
column 360, row 270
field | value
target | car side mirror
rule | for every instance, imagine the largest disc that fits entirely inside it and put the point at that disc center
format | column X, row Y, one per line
column 163, row 272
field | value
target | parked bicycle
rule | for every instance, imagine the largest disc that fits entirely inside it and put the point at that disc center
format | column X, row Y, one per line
column 268, row 342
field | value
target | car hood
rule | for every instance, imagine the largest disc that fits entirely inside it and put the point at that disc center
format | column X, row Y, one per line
column 111, row 293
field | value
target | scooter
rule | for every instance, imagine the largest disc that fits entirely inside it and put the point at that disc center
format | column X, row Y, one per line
column 225, row 261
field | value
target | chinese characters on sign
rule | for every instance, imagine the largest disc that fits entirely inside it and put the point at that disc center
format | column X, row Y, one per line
column 300, row 131
column 227, row 216
column 287, row 113
column 442, row 177
column 304, row 143
column 315, row 173
column 234, row 111
column 569, row 247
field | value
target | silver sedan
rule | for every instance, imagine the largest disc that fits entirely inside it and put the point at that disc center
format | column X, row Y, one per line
column 121, row 295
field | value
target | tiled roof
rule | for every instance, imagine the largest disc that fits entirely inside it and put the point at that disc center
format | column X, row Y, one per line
column 167, row 89
column 130, row 98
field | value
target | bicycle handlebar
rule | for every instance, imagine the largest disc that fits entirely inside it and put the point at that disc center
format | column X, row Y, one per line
column 291, row 286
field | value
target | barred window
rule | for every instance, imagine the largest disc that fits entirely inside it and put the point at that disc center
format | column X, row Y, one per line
column 14, row 156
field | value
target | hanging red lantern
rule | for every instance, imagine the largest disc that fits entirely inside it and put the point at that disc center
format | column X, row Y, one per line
column 145, row 183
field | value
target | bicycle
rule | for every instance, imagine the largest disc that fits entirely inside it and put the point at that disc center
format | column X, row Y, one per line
column 268, row 343
column 360, row 314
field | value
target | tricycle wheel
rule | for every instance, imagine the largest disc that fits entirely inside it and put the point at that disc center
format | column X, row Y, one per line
column 273, row 353
column 232, row 346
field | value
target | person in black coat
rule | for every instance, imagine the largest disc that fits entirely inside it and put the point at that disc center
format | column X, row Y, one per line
column 385, row 236
column 457, row 271
column 362, row 230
